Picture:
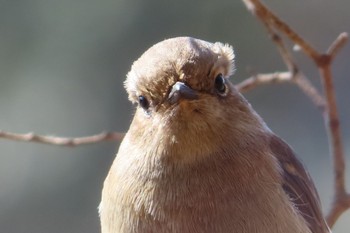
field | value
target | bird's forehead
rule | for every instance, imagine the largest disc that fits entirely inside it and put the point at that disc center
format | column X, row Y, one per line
column 174, row 57
column 179, row 59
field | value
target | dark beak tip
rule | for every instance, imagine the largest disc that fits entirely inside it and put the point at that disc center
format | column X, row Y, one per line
column 181, row 91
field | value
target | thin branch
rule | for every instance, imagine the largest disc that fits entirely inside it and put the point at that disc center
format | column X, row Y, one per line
column 285, row 54
column 339, row 206
column 263, row 79
column 338, row 44
column 305, row 85
column 284, row 77
column 333, row 126
column 336, row 147
column 331, row 118
column 60, row 141
column 341, row 200
column 267, row 16
column 295, row 75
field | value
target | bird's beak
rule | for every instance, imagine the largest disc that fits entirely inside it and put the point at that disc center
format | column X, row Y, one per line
column 181, row 91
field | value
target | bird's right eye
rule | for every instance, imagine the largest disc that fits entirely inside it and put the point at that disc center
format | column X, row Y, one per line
column 143, row 102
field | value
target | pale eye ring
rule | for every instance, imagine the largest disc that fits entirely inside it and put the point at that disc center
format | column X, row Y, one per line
column 220, row 85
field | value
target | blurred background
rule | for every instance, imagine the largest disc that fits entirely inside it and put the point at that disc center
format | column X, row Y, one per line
column 62, row 67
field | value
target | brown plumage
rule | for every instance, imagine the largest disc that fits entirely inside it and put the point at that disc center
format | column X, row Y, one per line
column 198, row 158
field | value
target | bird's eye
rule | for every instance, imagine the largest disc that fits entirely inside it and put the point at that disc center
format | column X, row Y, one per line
column 143, row 102
column 220, row 85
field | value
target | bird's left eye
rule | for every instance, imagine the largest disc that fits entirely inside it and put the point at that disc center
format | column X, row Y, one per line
column 220, row 85
column 143, row 102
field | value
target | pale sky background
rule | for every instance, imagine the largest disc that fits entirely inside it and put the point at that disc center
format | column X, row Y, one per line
column 62, row 67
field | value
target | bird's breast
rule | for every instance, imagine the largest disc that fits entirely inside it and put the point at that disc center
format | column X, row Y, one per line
column 214, row 195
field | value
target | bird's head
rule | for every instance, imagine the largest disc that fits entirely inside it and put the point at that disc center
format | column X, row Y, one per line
column 184, row 96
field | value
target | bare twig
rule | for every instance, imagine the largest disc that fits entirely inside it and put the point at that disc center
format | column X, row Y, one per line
column 338, row 44
column 267, row 16
column 263, row 79
column 296, row 76
column 341, row 200
column 284, row 77
column 333, row 125
column 340, row 205
column 305, row 85
column 60, row 141
column 285, row 54
column 336, row 146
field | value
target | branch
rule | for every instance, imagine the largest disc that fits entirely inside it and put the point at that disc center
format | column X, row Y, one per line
column 295, row 75
column 332, row 122
column 268, row 17
column 60, row 141
column 338, row 44
column 339, row 206
column 284, row 77
column 341, row 200
column 263, row 79
column 305, row 85
column 285, row 54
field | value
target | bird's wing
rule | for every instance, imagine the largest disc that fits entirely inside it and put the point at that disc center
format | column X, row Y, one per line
column 299, row 186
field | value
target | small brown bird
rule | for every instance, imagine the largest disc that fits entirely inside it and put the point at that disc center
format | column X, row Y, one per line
column 198, row 158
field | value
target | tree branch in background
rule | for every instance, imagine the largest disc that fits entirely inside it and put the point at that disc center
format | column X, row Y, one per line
column 60, row 141
column 263, row 79
column 284, row 77
column 323, row 61
column 273, row 21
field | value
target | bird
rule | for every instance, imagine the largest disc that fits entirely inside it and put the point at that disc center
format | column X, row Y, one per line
column 198, row 158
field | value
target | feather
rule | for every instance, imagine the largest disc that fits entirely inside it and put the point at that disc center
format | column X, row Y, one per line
column 299, row 187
